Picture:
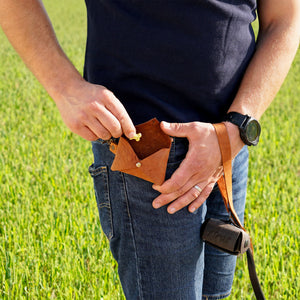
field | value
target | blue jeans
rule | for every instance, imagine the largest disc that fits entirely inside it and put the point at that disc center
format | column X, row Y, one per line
column 161, row 256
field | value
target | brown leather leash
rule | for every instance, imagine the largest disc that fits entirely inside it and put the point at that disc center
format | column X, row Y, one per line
column 225, row 187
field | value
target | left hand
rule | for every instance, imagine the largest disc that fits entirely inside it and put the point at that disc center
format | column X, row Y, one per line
column 201, row 167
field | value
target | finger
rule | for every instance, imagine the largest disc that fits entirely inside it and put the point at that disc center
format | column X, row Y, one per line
column 202, row 197
column 189, row 170
column 118, row 110
column 176, row 129
column 164, row 199
column 109, row 122
column 185, row 200
column 218, row 173
column 87, row 134
column 185, row 172
column 98, row 129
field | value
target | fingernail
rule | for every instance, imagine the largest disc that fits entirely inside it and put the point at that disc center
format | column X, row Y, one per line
column 131, row 135
column 192, row 209
column 171, row 210
column 166, row 125
column 156, row 205
column 155, row 187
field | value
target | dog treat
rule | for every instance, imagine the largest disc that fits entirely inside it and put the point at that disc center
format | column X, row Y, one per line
column 137, row 137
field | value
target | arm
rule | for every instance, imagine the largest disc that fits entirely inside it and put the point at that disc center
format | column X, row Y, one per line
column 277, row 44
column 89, row 110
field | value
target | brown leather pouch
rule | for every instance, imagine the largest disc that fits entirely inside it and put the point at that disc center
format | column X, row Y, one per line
column 147, row 158
column 225, row 236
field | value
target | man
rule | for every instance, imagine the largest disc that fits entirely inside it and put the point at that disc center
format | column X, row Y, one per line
column 185, row 62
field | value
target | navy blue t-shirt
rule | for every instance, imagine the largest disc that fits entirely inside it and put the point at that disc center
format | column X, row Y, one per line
column 176, row 60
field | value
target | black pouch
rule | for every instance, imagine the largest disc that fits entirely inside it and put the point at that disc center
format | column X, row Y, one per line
column 225, row 236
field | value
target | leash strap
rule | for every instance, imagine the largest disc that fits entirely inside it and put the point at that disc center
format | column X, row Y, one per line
column 225, row 187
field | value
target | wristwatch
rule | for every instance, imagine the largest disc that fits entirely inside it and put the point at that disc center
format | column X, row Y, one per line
column 248, row 126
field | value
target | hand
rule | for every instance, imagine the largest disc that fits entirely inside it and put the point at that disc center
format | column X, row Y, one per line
column 93, row 112
column 201, row 167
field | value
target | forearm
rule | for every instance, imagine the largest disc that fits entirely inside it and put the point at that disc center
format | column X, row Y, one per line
column 276, row 47
column 89, row 110
column 29, row 30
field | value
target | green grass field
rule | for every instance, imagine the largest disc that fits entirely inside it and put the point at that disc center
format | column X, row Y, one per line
column 51, row 244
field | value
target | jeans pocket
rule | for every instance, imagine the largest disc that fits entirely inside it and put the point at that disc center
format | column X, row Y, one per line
column 101, row 186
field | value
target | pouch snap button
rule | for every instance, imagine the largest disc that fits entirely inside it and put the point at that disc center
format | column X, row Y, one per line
column 138, row 164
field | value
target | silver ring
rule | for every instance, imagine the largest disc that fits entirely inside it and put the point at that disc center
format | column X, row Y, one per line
column 198, row 188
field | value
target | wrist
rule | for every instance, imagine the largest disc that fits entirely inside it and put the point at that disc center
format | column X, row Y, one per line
column 64, row 85
column 249, row 127
column 236, row 142
column 56, row 73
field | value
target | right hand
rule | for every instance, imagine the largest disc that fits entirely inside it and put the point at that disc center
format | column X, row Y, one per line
column 92, row 111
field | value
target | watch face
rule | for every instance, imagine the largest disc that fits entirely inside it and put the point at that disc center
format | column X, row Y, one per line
column 252, row 130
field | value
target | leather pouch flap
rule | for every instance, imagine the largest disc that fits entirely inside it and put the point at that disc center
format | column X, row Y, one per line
column 147, row 158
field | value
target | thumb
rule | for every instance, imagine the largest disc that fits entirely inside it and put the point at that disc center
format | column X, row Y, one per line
column 175, row 129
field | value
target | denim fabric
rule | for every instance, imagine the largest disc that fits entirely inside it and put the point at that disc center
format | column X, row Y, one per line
column 161, row 256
